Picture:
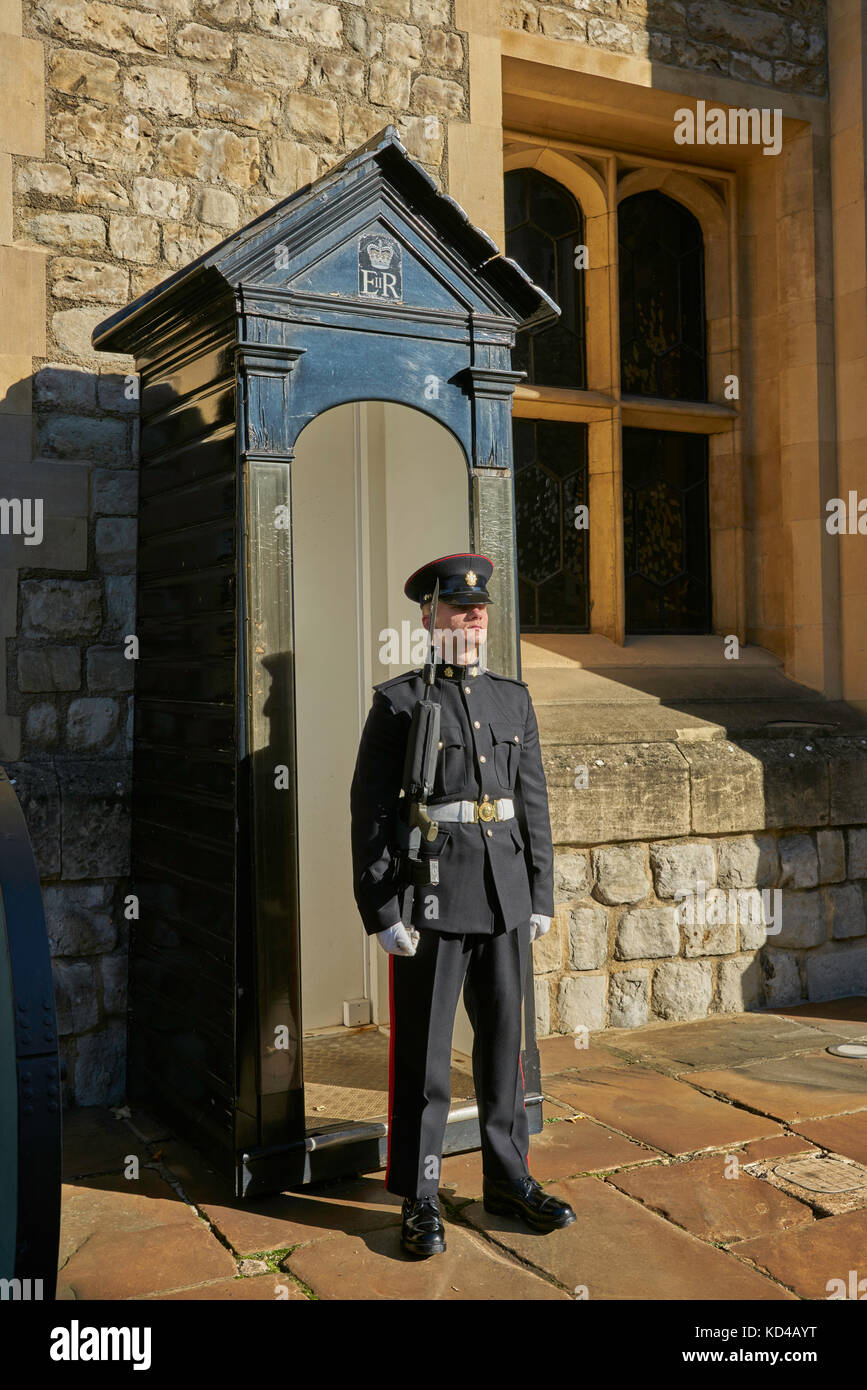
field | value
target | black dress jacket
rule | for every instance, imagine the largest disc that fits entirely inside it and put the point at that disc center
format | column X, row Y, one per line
column 490, row 873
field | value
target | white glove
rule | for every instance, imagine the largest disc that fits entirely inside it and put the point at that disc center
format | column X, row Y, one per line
column 397, row 941
column 539, row 925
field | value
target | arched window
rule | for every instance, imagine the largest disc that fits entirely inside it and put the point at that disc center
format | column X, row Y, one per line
column 662, row 316
column 544, row 228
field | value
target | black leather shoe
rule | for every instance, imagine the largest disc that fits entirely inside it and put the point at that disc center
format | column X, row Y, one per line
column 423, row 1232
column 525, row 1198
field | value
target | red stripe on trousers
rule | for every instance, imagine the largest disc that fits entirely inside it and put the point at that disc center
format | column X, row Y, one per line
column 390, row 1061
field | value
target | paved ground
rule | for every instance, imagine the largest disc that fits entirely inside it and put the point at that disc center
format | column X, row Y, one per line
column 684, row 1150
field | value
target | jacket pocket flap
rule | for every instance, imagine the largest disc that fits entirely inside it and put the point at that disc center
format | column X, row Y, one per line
column 451, row 736
column 505, row 733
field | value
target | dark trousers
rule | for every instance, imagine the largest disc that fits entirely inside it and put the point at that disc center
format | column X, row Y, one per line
column 423, row 996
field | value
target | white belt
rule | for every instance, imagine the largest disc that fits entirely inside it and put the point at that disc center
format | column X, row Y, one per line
column 501, row 809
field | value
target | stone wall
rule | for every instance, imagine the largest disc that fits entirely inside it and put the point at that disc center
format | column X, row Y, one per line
column 779, row 42
column 167, row 125
column 627, row 948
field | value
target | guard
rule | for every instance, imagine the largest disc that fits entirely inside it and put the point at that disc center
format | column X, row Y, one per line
column 484, row 891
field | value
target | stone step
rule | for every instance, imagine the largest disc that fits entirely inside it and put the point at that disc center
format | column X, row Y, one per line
column 652, row 722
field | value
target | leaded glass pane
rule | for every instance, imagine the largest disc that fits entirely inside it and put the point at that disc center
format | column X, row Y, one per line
column 666, row 531
column 544, row 228
column 550, row 483
column 662, row 315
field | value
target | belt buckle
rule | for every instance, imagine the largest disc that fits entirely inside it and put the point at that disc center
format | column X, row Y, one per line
column 487, row 810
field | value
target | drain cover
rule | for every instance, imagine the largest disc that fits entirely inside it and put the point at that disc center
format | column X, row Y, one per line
column 848, row 1050
column 823, row 1174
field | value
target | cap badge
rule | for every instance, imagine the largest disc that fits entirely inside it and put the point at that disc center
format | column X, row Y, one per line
column 471, row 578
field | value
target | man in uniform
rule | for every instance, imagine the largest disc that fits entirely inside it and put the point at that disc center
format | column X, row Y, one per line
column 474, row 925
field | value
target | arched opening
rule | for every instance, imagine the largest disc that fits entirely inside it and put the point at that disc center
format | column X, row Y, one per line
column 377, row 488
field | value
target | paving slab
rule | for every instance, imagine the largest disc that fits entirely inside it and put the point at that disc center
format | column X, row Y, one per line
column 112, row 1206
column 658, row 1110
column 809, row 1259
column 784, row 1147
column 319, row 1211
column 560, row 1054
column 728, row 1041
column 791, row 1088
column 561, row 1150
column 840, row 1134
column 154, row 1260
column 617, row 1249
column 829, row 1185
column 373, row 1266
column 96, row 1141
column 268, row 1288
column 847, row 1016
column 702, row 1197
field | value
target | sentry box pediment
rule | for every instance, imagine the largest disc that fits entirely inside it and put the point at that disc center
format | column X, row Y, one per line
column 365, row 285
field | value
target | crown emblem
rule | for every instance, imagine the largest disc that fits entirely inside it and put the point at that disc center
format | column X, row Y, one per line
column 471, row 578
column 381, row 253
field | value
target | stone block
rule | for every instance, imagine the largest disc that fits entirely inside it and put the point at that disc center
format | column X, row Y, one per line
column 620, row 874
column 100, row 1066
column 61, row 385
column 84, row 437
column 846, row 765
column 92, row 724
column 588, row 937
column 781, row 976
column 116, row 544
column 803, row 919
column 38, row 793
column 49, row 668
column 206, row 45
column 160, row 198
column 571, row 875
column 837, row 973
column 542, row 999
column 95, row 809
column 741, row 984
column 120, row 604
column 857, row 853
column 799, row 863
column 115, row 493
column 646, row 933
column 115, row 975
column 846, row 904
column 548, row 949
column 746, row 861
column 97, row 25
column 726, row 787
column 682, row 990
column 41, row 726
column 581, row 1002
column 78, row 918
column 632, row 792
column 681, row 868
column 628, row 998
column 831, row 855
column 109, row 671
column 74, row 996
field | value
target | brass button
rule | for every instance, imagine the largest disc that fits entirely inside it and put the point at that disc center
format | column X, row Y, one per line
column 517, row 740
column 482, row 758
column 440, row 744
column 476, row 724
column 490, row 832
column 485, row 797
column 467, row 689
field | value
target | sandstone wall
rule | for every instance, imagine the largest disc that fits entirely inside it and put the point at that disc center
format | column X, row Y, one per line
column 780, row 42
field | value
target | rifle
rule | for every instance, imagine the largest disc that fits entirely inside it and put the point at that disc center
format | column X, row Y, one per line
column 417, row 784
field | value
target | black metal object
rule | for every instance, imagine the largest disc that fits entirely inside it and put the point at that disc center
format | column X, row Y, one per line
column 666, row 529
column 30, row 1131
column 368, row 284
column 663, row 334
column 551, row 489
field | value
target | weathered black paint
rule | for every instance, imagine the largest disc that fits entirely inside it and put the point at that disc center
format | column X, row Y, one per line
column 237, row 352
